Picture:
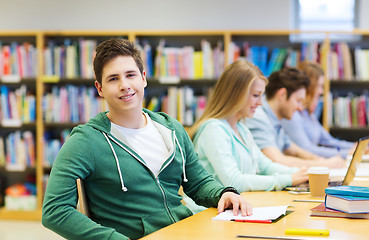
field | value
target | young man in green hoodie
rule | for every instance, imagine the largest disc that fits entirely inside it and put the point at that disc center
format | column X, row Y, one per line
column 132, row 162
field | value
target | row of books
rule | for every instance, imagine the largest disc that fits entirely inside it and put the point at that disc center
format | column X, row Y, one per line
column 52, row 145
column 72, row 104
column 72, row 59
column 344, row 201
column 17, row 61
column 350, row 111
column 346, row 64
column 17, row 105
column 340, row 62
column 271, row 60
column 179, row 103
column 17, row 151
column 186, row 62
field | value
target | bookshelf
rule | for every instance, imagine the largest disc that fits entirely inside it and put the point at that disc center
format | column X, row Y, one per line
column 221, row 43
column 349, row 82
column 18, row 120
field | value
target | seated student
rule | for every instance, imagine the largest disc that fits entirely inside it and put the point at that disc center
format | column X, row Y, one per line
column 285, row 94
column 305, row 129
column 226, row 147
column 132, row 162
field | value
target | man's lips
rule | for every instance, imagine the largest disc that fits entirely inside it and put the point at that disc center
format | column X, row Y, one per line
column 127, row 97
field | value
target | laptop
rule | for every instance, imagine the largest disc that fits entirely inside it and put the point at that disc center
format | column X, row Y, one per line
column 351, row 170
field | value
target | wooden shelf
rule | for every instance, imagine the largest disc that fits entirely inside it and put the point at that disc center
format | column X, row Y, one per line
column 20, row 215
column 183, row 82
column 349, row 134
column 349, row 84
column 61, row 125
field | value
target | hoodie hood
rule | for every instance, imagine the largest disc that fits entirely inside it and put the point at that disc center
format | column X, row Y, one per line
column 102, row 123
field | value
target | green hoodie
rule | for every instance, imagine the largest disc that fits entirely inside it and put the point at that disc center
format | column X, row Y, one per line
column 125, row 199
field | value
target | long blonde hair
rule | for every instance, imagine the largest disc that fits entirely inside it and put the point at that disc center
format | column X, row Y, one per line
column 230, row 92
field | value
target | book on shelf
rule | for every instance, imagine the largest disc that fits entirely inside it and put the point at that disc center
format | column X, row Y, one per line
column 17, row 105
column 361, row 64
column 356, row 191
column 186, row 62
column 348, row 204
column 2, row 152
column 72, row 104
column 19, row 151
column 350, row 111
column 322, row 211
column 17, row 61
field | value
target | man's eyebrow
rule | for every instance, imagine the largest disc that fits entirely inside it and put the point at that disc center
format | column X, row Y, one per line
column 112, row 75
column 131, row 71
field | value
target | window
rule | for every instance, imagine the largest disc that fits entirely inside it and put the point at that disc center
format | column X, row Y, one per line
column 324, row 15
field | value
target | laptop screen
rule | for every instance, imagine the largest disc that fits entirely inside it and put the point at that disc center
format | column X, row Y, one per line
column 356, row 160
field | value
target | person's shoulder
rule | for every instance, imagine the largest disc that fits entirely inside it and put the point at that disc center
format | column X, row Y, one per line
column 260, row 117
column 164, row 119
column 215, row 125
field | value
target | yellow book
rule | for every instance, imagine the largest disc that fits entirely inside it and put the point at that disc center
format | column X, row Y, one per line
column 198, row 67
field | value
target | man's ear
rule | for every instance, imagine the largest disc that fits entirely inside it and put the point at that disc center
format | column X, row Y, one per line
column 144, row 77
column 98, row 88
column 281, row 93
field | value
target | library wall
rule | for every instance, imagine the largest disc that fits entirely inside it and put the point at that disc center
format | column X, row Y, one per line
column 363, row 14
column 144, row 14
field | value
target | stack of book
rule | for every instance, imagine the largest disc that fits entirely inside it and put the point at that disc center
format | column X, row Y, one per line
column 344, row 201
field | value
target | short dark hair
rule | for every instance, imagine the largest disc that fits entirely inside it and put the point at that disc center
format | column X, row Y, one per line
column 112, row 48
column 289, row 78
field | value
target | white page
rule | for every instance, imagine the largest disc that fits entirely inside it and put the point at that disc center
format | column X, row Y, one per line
column 261, row 213
column 362, row 171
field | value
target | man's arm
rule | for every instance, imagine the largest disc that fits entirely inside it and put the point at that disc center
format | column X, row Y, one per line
column 277, row 156
column 296, row 151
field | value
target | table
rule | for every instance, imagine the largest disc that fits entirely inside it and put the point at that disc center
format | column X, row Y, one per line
column 201, row 225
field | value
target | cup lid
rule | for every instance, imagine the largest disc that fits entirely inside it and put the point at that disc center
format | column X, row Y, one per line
column 318, row 170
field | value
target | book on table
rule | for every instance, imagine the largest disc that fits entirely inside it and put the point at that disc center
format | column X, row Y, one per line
column 348, row 204
column 322, row 211
column 346, row 190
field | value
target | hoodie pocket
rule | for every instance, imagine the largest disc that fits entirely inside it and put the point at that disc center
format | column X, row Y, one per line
column 159, row 220
column 155, row 222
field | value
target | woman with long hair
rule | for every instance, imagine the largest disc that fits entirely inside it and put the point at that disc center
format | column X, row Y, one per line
column 225, row 145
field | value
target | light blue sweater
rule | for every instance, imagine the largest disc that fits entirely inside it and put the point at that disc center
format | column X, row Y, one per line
column 306, row 131
column 238, row 163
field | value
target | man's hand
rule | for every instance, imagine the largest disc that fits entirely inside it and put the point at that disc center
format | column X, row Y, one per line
column 237, row 201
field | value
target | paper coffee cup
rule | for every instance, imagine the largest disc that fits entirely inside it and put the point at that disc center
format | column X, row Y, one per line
column 318, row 180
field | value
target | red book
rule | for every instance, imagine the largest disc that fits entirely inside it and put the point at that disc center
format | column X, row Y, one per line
column 322, row 211
column 6, row 60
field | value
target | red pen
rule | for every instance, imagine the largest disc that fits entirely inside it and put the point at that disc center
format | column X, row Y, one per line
column 251, row 220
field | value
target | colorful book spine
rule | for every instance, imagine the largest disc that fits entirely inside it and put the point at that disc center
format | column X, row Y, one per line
column 72, row 104
column 19, row 150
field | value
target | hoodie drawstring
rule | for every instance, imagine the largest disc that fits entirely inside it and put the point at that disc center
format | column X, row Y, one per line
column 116, row 160
column 183, row 160
column 118, row 166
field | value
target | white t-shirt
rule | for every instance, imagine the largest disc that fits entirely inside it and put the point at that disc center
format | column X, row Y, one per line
column 146, row 141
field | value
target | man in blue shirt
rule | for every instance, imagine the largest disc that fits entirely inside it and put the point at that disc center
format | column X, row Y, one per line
column 285, row 94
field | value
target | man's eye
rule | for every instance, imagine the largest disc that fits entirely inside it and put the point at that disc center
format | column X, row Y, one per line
column 130, row 75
